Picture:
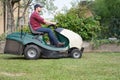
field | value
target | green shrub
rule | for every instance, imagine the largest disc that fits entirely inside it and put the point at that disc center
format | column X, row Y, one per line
column 88, row 28
column 24, row 29
column 2, row 37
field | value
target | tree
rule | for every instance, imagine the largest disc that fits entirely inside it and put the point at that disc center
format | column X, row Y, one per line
column 9, row 8
column 9, row 13
column 109, row 11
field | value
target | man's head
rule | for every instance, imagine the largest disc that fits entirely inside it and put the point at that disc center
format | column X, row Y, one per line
column 38, row 7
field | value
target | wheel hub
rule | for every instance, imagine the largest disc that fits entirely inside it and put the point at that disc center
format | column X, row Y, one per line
column 32, row 53
column 76, row 55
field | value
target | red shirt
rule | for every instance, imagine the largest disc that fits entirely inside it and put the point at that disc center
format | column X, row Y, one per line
column 36, row 20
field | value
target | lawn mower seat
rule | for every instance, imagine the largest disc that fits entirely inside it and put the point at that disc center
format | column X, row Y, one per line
column 33, row 31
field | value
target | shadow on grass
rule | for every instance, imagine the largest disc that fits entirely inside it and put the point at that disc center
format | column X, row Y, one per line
column 23, row 58
column 14, row 58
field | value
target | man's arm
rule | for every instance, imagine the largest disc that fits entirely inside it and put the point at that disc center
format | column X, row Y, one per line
column 49, row 22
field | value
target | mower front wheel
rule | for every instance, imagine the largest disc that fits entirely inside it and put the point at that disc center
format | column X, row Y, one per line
column 32, row 52
column 75, row 53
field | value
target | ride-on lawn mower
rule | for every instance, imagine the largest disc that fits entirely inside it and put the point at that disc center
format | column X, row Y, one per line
column 33, row 46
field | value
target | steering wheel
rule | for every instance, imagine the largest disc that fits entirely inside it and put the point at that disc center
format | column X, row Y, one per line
column 52, row 25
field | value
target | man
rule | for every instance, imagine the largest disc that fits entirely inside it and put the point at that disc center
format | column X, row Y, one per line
column 36, row 20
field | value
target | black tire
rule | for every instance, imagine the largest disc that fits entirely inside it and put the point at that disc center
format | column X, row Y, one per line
column 32, row 52
column 75, row 53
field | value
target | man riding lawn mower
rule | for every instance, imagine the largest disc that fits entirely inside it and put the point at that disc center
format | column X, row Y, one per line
column 64, row 43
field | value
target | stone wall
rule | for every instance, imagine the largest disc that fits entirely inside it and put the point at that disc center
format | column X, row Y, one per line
column 103, row 48
column 2, row 45
column 87, row 47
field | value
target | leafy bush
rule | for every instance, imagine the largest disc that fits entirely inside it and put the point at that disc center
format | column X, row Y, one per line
column 2, row 37
column 88, row 28
column 26, row 29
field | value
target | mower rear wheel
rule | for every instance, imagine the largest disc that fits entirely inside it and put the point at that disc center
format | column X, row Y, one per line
column 32, row 52
column 75, row 53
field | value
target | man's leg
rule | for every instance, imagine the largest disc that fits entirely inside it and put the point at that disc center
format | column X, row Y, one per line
column 51, row 35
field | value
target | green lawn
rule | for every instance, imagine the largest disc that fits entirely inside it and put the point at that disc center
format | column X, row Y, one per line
column 92, row 66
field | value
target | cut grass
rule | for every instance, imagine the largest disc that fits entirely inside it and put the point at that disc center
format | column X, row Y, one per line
column 92, row 66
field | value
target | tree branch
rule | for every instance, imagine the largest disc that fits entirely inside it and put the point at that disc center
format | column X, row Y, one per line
column 15, row 8
column 26, row 8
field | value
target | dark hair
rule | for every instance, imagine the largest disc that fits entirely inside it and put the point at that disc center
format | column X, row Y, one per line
column 37, row 5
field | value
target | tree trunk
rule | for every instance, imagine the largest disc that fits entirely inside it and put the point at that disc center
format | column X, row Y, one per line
column 10, row 17
column 4, row 17
column 18, row 16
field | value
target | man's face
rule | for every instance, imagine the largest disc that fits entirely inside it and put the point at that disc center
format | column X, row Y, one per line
column 39, row 9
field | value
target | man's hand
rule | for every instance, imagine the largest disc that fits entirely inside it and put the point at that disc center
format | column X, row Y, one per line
column 54, row 23
column 49, row 22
